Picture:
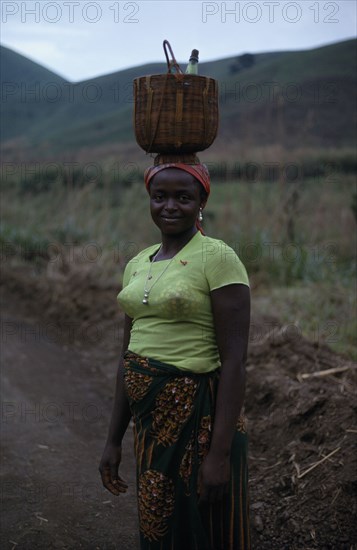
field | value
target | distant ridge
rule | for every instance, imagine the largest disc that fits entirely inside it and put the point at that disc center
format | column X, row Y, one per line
column 267, row 98
column 14, row 65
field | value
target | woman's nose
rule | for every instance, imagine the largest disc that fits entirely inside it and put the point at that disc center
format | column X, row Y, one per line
column 170, row 204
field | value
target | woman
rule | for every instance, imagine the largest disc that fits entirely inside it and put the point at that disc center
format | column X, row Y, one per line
column 182, row 377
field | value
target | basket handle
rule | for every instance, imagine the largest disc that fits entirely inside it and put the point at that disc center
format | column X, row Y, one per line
column 171, row 63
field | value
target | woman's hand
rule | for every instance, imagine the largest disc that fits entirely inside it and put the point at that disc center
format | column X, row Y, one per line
column 213, row 477
column 109, row 467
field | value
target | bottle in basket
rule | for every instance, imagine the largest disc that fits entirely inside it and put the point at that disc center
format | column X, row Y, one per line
column 192, row 67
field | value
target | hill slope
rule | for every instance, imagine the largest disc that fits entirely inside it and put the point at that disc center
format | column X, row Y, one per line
column 281, row 97
column 28, row 94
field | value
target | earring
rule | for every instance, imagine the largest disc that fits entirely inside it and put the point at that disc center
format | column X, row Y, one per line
column 200, row 216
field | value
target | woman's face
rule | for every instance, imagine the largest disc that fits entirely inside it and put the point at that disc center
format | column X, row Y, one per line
column 175, row 200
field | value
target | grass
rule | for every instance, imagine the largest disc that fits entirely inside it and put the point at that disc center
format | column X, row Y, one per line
column 297, row 240
column 323, row 312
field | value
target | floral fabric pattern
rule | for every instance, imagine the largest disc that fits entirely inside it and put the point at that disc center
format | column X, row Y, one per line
column 173, row 407
column 156, row 503
column 137, row 384
column 241, row 425
column 173, row 413
column 194, row 448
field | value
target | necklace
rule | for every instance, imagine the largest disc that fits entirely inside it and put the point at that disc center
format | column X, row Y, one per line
column 149, row 276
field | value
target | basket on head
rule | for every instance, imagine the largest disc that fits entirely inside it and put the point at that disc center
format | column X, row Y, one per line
column 175, row 113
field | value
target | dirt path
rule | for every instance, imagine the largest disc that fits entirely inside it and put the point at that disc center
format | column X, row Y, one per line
column 60, row 343
column 55, row 414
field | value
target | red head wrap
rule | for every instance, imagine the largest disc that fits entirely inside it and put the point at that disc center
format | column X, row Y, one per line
column 199, row 171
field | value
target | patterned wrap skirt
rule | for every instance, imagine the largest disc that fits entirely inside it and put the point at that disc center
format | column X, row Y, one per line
column 173, row 414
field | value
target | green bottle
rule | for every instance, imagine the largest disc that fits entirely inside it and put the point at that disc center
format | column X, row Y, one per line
column 192, row 67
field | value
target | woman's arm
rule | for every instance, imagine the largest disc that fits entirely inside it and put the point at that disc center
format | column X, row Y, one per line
column 231, row 313
column 109, row 464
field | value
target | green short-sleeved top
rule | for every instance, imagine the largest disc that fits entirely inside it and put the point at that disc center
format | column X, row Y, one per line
column 177, row 325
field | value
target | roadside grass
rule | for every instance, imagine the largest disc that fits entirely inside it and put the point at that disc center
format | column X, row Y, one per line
column 323, row 312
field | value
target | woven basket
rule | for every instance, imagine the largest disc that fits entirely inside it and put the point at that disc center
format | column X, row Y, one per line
column 175, row 113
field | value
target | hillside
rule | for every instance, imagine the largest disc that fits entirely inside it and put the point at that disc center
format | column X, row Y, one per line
column 28, row 90
column 282, row 97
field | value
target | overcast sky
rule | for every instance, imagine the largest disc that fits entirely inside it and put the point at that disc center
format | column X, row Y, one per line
column 83, row 39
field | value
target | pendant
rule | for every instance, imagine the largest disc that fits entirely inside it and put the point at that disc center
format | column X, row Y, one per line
column 145, row 299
